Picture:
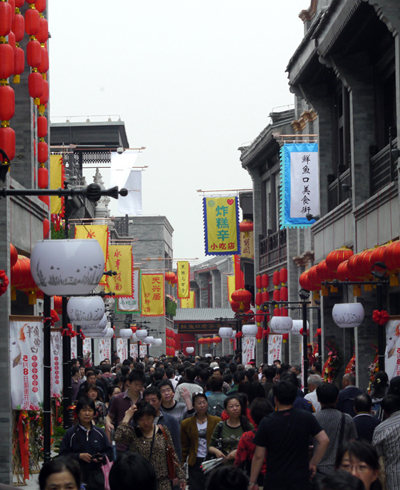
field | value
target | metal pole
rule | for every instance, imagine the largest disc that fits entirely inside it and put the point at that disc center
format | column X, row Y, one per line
column 66, row 348
column 92, row 349
column 79, row 343
column 381, row 329
column 265, row 341
column 305, row 357
column 319, row 336
column 46, row 381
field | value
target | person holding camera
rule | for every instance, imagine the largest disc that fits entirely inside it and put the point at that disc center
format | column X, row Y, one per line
column 87, row 444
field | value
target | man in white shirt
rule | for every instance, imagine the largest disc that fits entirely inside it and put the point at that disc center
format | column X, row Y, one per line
column 314, row 380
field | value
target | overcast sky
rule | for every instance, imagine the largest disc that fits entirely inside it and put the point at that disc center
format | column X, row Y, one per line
column 192, row 80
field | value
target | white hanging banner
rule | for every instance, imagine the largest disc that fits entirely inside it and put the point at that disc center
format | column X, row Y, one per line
column 26, row 358
column 104, row 349
column 56, row 365
column 123, row 175
column 133, row 350
column 74, row 348
column 143, row 350
column 392, row 354
column 122, row 349
column 274, row 348
column 248, row 347
column 86, row 348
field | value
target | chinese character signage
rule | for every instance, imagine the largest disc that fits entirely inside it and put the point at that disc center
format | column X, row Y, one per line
column 183, row 272
column 122, row 349
column 133, row 347
column 56, row 364
column 104, row 346
column 247, row 244
column 392, row 355
column 143, row 351
column 74, row 348
column 133, row 303
column 221, row 225
column 87, row 348
column 56, row 182
column 153, row 295
column 300, row 184
column 120, row 260
column 231, row 286
column 26, row 358
column 189, row 302
column 274, row 348
column 96, row 232
column 248, row 348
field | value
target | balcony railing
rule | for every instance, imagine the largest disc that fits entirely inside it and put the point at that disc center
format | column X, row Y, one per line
column 273, row 249
column 382, row 168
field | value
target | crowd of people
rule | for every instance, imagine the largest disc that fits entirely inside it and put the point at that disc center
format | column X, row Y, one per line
column 216, row 423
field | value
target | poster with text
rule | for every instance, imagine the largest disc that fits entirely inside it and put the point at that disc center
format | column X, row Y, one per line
column 248, row 346
column 26, row 358
column 274, row 348
column 56, row 365
column 74, row 348
column 122, row 349
column 143, row 351
column 87, row 348
column 392, row 354
column 104, row 349
column 133, row 350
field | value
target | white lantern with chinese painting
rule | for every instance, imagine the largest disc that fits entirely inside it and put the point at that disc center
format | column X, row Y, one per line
column 225, row 332
column 348, row 315
column 85, row 310
column 157, row 342
column 297, row 326
column 190, row 350
column 249, row 330
column 281, row 324
column 126, row 333
column 141, row 334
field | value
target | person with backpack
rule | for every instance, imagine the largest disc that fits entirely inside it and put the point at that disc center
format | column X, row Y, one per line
column 196, row 435
column 216, row 397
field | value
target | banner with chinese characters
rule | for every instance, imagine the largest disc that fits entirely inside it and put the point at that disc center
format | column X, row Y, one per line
column 221, row 225
column 300, row 184
column 97, row 232
column 189, row 302
column 231, row 286
column 247, row 244
column 153, row 295
column 133, row 348
column 143, row 351
column 104, row 347
column 56, row 365
column 274, row 348
column 74, row 348
column 392, row 354
column 87, row 348
column 183, row 272
column 26, row 358
column 248, row 348
column 120, row 260
column 239, row 275
column 57, row 178
column 132, row 304
column 122, row 349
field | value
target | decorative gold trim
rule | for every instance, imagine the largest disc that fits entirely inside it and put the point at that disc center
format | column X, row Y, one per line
column 305, row 117
column 308, row 14
column 304, row 259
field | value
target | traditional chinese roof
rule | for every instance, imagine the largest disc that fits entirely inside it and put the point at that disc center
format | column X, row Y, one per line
column 202, row 314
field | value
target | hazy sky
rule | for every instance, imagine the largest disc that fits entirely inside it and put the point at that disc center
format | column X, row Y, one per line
column 192, row 80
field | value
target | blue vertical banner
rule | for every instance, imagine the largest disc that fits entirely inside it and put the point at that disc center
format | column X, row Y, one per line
column 300, row 185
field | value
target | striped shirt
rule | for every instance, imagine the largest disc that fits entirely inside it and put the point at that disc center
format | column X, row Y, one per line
column 386, row 440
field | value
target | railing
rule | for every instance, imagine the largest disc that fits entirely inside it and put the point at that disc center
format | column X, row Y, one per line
column 273, row 249
column 337, row 195
column 382, row 168
column 121, row 226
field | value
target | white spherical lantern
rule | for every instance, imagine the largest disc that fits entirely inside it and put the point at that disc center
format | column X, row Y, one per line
column 297, row 326
column 249, row 330
column 157, row 342
column 67, row 267
column 109, row 334
column 190, row 350
column 85, row 310
column 348, row 315
column 233, row 336
column 281, row 324
column 225, row 332
column 141, row 334
column 89, row 329
column 134, row 338
column 94, row 334
column 125, row 333
column 149, row 340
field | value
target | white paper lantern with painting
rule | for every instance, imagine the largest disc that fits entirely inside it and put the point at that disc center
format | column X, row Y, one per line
column 149, row 340
column 225, row 332
column 96, row 329
column 141, row 334
column 125, row 333
column 109, row 334
column 348, row 315
column 67, row 267
column 157, row 342
column 249, row 330
column 189, row 350
column 233, row 336
column 281, row 324
column 85, row 310
column 297, row 326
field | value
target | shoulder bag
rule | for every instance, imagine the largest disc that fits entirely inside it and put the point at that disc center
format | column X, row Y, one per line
column 170, row 456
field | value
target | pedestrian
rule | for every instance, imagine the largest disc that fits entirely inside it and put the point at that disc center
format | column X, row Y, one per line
column 227, row 478
column 346, row 397
column 131, row 467
column 313, row 381
column 340, row 480
column 60, row 473
column 364, row 421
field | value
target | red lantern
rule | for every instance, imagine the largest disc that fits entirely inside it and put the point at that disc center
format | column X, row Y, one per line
column 343, row 272
column 19, row 63
column 18, row 26
column 217, row 340
column 7, row 142
column 7, row 60
column 259, row 299
column 235, row 306
column 258, row 282
column 45, row 199
column 284, row 312
column 42, row 126
column 40, row 5
column 276, row 295
column 5, row 18
column 44, row 98
column 43, row 178
column 169, row 276
column 46, row 228
column 44, row 64
column 277, row 312
column 265, row 281
column 13, row 255
column 259, row 334
column 58, row 304
column 30, row 1
column 43, row 35
column 284, row 293
column 241, row 296
column 315, row 282
column 275, row 279
column 324, row 273
column 336, row 257
column 265, row 296
column 249, row 315
column 245, row 226
column 259, row 316
column 11, row 40
column 35, row 85
column 285, row 337
column 392, row 256
column 304, row 281
column 33, row 53
column 12, row 3
column 43, row 152
column 377, row 255
column 19, row 3
column 31, row 21
column 7, row 102
column 21, row 277
column 283, row 274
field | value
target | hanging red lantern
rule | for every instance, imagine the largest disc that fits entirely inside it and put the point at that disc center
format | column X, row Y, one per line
column 246, row 226
column 276, row 295
column 265, row 296
column 275, row 279
column 283, row 275
column 7, row 142
column 377, row 255
column 259, row 334
column 217, row 340
column 285, row 337
column 5, row 18
column 30, row 1
column 265, row 281
column 31, row 21
column 284, row 293
column 334, row 258
column 235, row 306
column 248, row 317
column 44, row 98
column 58, row 304
column 18, row 26
column 42, row 126
column 259, row 317
column 392, row 256
column 43, row 151
column 7, row 60
column 11, row 40
column 35, row 85
column 43, row 34
column 241, row 296
column 13, row 255
column 258, row 282
column 169, row 276
column 324, row 273
column 284, row 312
column 46, row 228
column 7, row 103
column 40, row 5
column 44, row 64
column 19, row 3
column 43, row 177
column 19, row 63
column 259, row 299
column 33, row 53
column 304, row 281
column 277, row 312
column 313, row 278
column 45, row 199
column 343, row 272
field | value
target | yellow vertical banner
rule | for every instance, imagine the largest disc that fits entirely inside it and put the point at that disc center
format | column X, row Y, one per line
column 120, row 260
column 153, row 295
column 189, row 302
column 183, row 272
column 231, row 286
column 56, row 182
column 221, row 228
column 96, row 232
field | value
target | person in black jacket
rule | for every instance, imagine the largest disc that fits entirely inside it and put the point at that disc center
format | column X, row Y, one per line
column 87, row 444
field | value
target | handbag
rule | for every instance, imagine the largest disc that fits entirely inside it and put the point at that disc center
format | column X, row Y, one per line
column 211, row 456
column 170, row 456
column 106, row 468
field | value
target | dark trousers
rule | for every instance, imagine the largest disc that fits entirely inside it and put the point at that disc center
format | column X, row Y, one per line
column 197, row 479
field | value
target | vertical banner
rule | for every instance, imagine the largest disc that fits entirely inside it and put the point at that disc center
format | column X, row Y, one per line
column 87, row 348
column 153, row 295
column 26, row 358
column 300, row 184
column 122, row 175
column 104, row 347
column 122, row 349
column 221, row 225
column 95, row 232
column 239, row 276
column 274, row 348
column 247, row 244
column 183, row 272
column 392, row 354
column 133, row 348
column 56, row 365
column 143, row 351
column 131, row 304
column 189, row 302
column 231, row 286
column 248, row 348
column 74, row 348
column 57, row 178
column 120, row 260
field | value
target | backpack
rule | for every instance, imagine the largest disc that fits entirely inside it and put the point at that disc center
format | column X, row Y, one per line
column 217, row 409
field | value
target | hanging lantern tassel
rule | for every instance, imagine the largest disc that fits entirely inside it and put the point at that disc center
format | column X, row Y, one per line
column 356, row 291
column 394, row 280
column 324, row 291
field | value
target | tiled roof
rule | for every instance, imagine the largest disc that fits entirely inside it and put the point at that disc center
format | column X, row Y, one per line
column 203, row 314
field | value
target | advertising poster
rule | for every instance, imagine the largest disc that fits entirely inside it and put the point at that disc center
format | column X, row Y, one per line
column 56, row 365
column 104, row 349
column 274, row 348
column 87, row 348
column 392, row 354
column 248, row 347
column 74, row 348
column 133, row 350
column 122, row 349
column 143, row 351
